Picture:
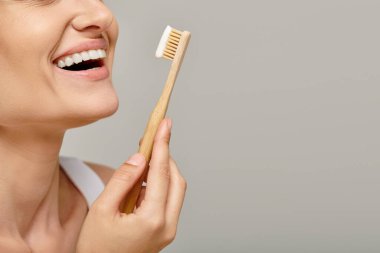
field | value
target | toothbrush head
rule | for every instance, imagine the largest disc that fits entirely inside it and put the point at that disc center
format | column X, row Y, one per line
column 169, row 42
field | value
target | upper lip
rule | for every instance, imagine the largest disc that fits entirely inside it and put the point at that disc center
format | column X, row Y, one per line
column 84, row 46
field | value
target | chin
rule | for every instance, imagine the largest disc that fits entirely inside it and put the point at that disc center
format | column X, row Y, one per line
column 106, row 108
column 95, row 109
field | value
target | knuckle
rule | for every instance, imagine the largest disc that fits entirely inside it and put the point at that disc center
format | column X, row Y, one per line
column 163, row 167
column 183, row 183
column 163, row 140
column 156, row 224
column 173, row 161
column 177, row 175
column 125, row 174
column 169, row 236
column 164, row 170
column 180, row 181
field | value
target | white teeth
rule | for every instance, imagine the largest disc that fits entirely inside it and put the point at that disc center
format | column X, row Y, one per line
column 85, row 56
column 101, row 53
column 81, row 57
column 61, row 64
column 77, row 58
column 69, row 61
column 94, row 54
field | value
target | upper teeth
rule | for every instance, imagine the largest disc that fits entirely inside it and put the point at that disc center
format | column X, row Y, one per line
column 81, row 57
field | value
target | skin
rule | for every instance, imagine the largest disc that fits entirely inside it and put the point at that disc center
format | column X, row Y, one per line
column 41, row 210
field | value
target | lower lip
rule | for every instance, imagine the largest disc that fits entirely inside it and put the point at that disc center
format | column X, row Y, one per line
column 95, row 74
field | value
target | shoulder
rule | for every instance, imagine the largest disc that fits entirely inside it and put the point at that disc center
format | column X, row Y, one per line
column 103, row 171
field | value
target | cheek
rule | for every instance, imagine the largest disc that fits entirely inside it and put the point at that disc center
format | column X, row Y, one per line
column 25, row 48
column 113, row 34
column 114, row 30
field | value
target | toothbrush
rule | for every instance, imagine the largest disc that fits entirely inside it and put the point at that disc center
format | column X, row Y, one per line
column 172, row 46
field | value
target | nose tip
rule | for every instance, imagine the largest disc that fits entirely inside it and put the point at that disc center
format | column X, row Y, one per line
column 95, row 17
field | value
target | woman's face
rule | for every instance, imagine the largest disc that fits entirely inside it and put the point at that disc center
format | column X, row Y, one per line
column 38, row 35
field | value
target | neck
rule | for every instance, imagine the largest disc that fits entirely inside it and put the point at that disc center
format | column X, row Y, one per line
column 29, row 177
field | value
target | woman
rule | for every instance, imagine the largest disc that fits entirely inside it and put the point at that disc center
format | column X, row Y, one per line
column 51, row 80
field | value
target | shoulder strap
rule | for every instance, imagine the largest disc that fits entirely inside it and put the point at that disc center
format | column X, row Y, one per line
column 83, row 177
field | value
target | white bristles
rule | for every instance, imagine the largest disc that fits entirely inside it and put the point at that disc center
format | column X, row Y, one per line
column 168, row 44
column 163, row 41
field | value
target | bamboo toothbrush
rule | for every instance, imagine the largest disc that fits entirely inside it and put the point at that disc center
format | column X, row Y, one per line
column 173, row 47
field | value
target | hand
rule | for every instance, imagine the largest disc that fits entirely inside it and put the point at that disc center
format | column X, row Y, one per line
column 153, row 224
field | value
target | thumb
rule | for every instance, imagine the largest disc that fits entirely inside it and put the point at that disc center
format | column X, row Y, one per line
column 122, row 182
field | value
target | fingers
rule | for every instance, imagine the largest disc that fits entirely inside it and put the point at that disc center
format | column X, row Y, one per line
column 121, row 183
column 159, row 171
column 176, row 196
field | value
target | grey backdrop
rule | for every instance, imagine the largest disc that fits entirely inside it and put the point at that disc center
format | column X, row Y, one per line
column 276, row 118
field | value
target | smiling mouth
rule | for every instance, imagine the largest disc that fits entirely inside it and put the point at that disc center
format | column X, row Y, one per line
column 87, row 65
column 86, row 60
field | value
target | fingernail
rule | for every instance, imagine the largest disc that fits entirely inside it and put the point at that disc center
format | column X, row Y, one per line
column 136, row 159
column 170, row 123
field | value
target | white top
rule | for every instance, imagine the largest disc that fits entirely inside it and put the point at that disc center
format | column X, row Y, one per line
column 83, row 177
